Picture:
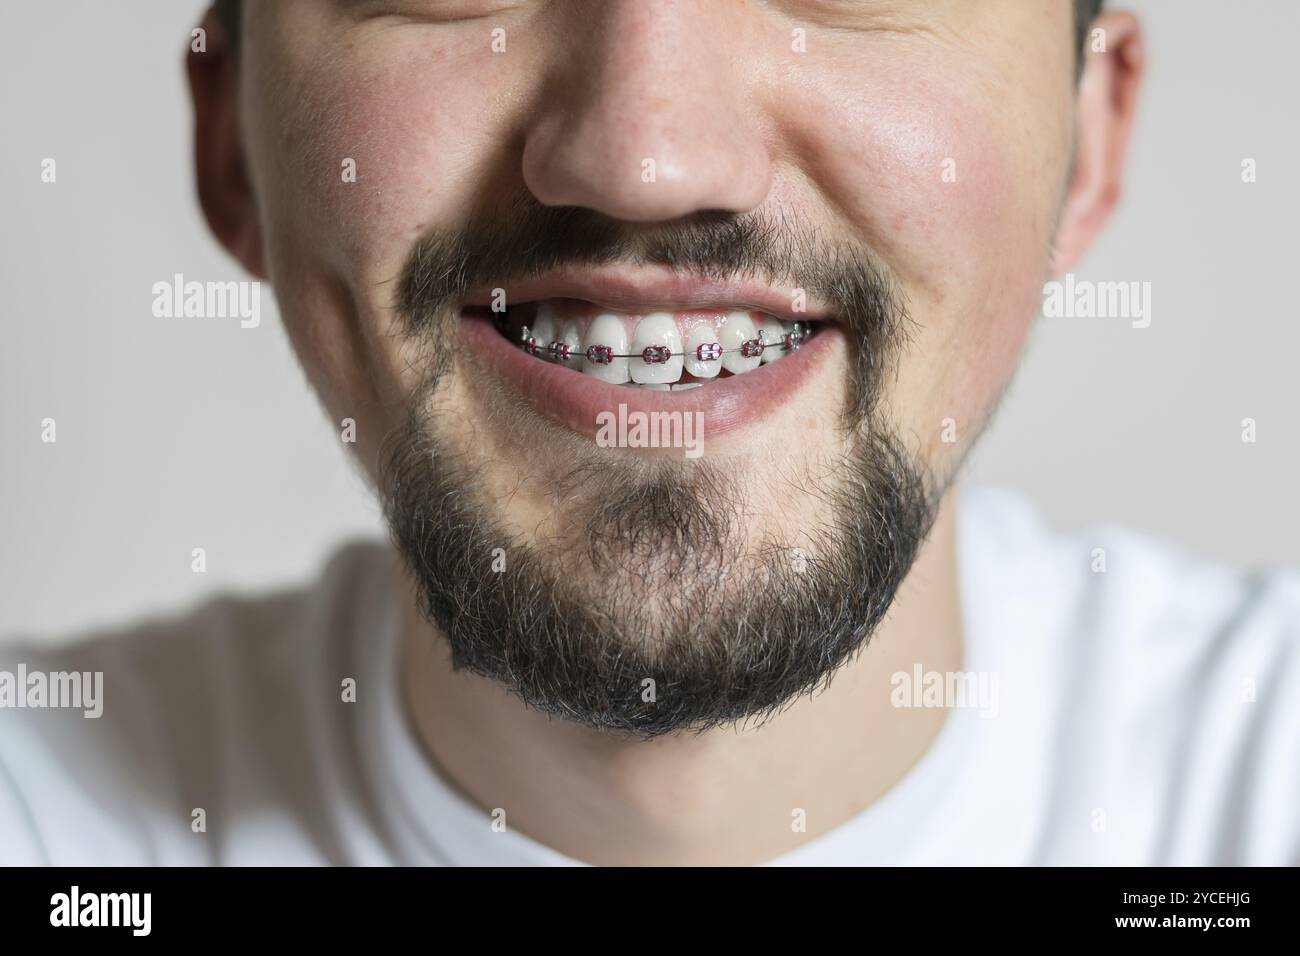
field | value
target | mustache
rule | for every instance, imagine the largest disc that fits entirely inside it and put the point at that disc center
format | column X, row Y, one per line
column 523, row 239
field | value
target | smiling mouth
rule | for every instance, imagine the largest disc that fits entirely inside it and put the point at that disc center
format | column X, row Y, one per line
column 653, row 350
column 576, row 345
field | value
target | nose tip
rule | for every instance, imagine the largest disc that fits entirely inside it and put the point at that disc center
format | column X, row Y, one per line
column 643, row 169
column 646, row 121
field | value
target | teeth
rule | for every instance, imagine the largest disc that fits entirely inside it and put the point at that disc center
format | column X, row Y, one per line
column 684, row 386
column 543, row 330
column 657, row 328
column 703, row 334
column 738, row 329
column 607, row 329
column 658, row 336
column 569, row 336
column 774, row 333
column 655, row 387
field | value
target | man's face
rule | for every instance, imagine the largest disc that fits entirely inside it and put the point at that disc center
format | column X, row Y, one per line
column 902, row 163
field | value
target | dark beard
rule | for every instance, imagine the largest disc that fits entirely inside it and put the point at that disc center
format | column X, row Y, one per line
column 690, row 634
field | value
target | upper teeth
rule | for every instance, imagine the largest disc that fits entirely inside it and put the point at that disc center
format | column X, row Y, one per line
column 703, row 352
column 654, row 334
column 656, row 354
column 608, row 330
column 738, row 335
column 772, row 335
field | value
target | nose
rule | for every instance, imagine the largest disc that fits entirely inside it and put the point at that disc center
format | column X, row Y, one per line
column 647, row 119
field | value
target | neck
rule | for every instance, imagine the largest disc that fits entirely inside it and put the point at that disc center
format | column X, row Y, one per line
column 727, row 796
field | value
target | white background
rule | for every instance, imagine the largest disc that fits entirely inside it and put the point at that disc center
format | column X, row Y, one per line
column 174, row 435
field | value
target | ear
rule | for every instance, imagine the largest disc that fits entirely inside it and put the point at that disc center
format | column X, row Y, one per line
column 1104, row 112
column 225, row 189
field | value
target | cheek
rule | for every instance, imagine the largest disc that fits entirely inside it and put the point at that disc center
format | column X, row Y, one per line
column 956, row 191
column 397, row 140
column 361, row 153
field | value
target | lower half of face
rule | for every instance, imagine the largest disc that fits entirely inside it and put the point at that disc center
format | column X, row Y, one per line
column 690, row 446
column 566, row 556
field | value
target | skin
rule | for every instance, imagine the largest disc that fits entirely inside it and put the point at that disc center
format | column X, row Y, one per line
column 852, row 135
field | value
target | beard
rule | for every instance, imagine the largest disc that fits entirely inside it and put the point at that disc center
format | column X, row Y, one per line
column 671, row 606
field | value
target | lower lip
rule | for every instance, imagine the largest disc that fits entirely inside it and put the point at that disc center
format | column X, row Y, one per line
column 576, row 400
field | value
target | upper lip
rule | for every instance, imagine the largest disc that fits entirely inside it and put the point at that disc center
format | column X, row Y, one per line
column 642, row 289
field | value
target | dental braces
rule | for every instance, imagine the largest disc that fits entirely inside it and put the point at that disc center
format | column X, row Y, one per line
column 661, row 354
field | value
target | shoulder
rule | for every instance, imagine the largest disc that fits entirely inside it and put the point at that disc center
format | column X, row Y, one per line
column 1175, row 680
column 139, row 727
column 1131, row 588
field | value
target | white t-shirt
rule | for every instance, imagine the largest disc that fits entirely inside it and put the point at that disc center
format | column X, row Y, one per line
column 1144, row 714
